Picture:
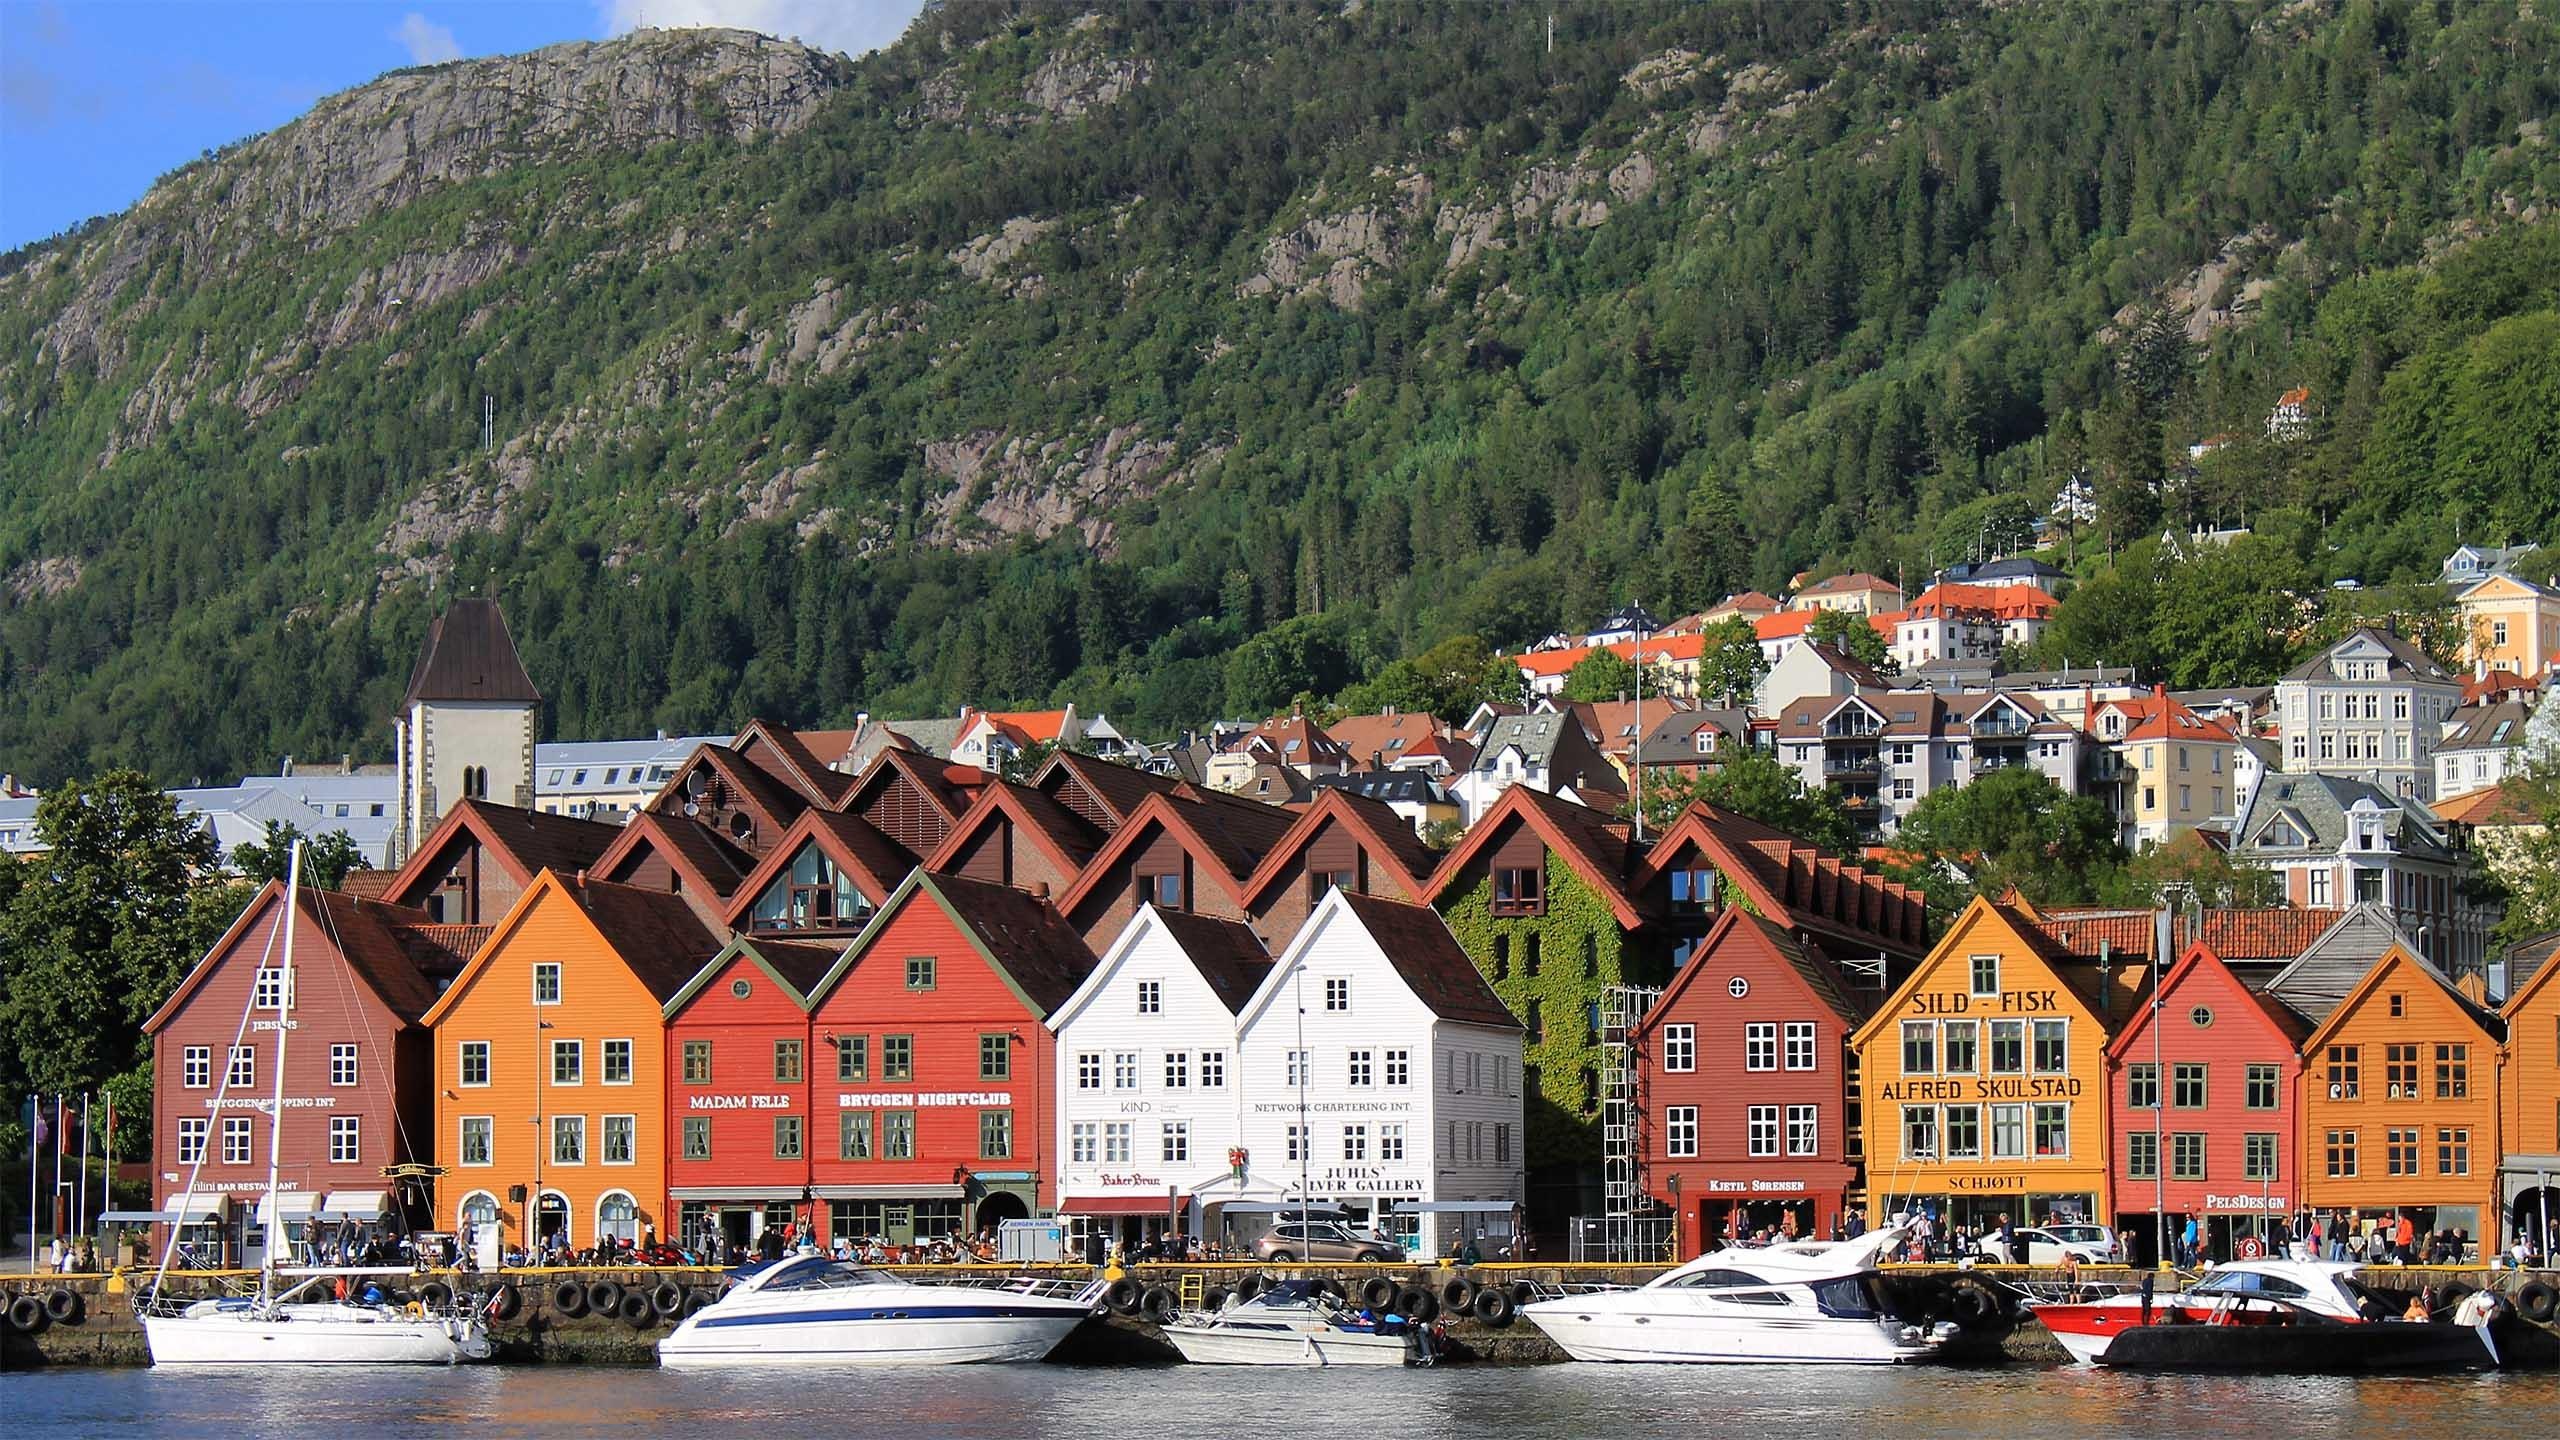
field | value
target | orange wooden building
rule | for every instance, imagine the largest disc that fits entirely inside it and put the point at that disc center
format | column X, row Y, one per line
column 550, row 1063
column 2529, row 1096
column 2400, row 1103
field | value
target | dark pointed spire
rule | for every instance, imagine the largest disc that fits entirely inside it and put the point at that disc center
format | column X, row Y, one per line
column 470, row 656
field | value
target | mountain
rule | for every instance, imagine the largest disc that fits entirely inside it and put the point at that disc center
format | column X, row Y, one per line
column 1181, row 358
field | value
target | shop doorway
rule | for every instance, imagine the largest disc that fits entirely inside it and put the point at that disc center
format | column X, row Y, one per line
column 737, row 1230
column 2536, row 1213
column 1730, row 1222
column 551, row 1220
column 1000, row 1206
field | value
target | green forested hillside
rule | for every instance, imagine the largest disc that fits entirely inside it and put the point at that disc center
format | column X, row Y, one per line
column 1180, row 357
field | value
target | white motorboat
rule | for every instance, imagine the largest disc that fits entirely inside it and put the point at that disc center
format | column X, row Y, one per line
column 1293, row 1323
column 2268, row 1317
column 815, row 1311
column 285, row 1328
column 1808, row 1303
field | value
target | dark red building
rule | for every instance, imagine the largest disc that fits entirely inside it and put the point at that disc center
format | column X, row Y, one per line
column 358, row 1082
column 933, row 1074
column 739, row 1083
column 1747, row 1122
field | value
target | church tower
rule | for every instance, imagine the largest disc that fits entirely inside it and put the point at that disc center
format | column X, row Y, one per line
column 466, row 728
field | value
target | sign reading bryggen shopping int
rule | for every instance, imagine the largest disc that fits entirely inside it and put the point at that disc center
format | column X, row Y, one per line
column 1985, row 1081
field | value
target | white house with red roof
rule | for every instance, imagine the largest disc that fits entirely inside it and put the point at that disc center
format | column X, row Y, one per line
column 1970, row 622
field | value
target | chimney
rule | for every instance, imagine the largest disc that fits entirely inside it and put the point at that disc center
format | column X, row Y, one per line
column 1040, row 891
column 287, row 768
column 346, row 762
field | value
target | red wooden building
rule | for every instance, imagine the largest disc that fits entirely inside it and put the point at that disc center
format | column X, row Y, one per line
column 1747, row 1123
column 932, row 1094
column 2202, row 1097
column 740, row 1081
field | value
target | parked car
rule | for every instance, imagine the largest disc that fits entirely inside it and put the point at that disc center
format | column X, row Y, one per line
column 1324, row 1240
column 2047, row 1244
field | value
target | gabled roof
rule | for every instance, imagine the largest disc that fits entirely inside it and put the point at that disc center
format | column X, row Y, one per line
column 1598, row 847
column 705, row 859
column 2329, row 969
column 1292, row 740
column 2095, row 993
column 1739, row 929
column 2318, row 805
column 2488, row 805
column 2496, row 725
column 2407, row 661
column 2236, row 936
column 653, row 933
column 1391, row 844
column 948, row 786
column 2160, row 716
column 1415, row 941
column 780, row 752
column 780, row 801
column 2286, row 1021
column 1227, row 838
column 2396, row 960
column 1025, row 727
column 524, row 842
column 795, row 965
column 1037, row 955
column 1982, row 602
column 1794, row 884
column 1223, row 953
column 1060, row 833
column 1115, row 789
column 1385, row 736
column 469, row 655
column 1392, row 787
column 850, row 841
column 365, row 935
column 1856, row 582
column 2529, row 968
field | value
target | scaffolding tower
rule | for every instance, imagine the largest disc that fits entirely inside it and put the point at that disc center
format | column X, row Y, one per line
column 1621, row 1152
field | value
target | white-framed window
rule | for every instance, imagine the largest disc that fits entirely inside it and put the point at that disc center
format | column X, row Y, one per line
column 1399, row 1067
column 273, row 989
column 1919, row 1132
column 622, row 1139
column 1355, row 1142
column 244, row 1067
column 196, row 1067
column 568, row 1139
column 1800, row 1048
column 1084, row 1142
column 342, row 1064
column 1150, row 997
column 568, row 1062
column 1680, row 1131
column 617, row 1061
column 475, row 1062
column 546, row 982
column 1679, row 1049
column 1297, row 1069
column 1360, row 1070
column 345, row 1145
column 479, row 1140
column 1118, row 1142
column 1177, row 1069
column 1337, row 994
column 1763, row 1126
column 1804, row 1129
column 235, row 1140
column 1986, row 974
column 1297, row 1146
column 1391, row 1142
column 1760, row 1045
column 1213, row 1069
column 1088, row 1069
column 1124, row 1070
column 1175, row 1141
column 191, row 1137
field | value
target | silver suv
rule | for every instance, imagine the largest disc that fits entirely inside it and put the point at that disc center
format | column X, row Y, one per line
column 1324, row 1240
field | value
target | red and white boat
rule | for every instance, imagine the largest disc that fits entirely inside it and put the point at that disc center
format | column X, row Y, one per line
column 2266, row 1316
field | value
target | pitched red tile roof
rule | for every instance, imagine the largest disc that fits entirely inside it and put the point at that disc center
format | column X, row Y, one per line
column 1417, row 942
column 2268, row 934
column 1999, row 602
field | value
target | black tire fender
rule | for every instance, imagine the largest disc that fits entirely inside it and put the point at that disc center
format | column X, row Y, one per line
column 1122, row 1297
column 1522, row 1292
column 1214, row 1299
column 1458, row 1295
column 604, row 1298
column 1159, row 1304
column 1248, row 1287
column 506, row 1302
column 569, row 1298
column 27, row 1314
column 1419, row 1306
column 698, row 1300
column 436, row 1294
column 2537, row 1302
column 636, row 1311
column 667, row 1299
column 65, row 1307
column 1974, row 1307
column 1378, row 1293
column 1493, row 1307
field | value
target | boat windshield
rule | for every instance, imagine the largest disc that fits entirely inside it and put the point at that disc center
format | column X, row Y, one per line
column 1714, row 1280
column 2247, row 1283
column 1851, row 1297
column 828, row 1275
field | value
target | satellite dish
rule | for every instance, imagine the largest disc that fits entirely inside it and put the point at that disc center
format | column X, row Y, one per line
column 741, row 827
column 690, row 808
column 696, row 781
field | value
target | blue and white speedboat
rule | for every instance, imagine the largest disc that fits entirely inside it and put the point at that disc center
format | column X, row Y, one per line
column 816, row 1311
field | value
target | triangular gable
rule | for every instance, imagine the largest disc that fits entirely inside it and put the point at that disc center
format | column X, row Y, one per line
column 525, row 842
column 740, row 947
column 1819, row 891
column 924, row 887
column 707, row 863
column 1953, row 946
column 361, row 939
column 2285, row 1024
column 1548, row 817
column 1230, row 985
column 778, row 752
column 547, row 887
column 2542, row 973
column 2361, row 935
column 872, row 859
column 268, row 897
column 2395, row 961
column 1159, row 812
column 1050, row 825
column 1738, row 927
column 715, row 778
column 1103, row 792
column 1409, row 865
column 913, row 798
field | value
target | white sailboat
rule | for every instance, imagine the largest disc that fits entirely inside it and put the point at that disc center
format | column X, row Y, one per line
column 306, row 1322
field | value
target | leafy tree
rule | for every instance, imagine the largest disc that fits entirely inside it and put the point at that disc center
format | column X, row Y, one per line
column 1603, row 674
column 1853, row 636
column 325, row 860
column 1755, row 784
column 2009, row 828
column 1730, row 663
column 2201, row 867
column 2523, row 856
column 101, row 928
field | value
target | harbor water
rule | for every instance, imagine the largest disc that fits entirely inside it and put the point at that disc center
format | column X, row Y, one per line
column 1556, row 1402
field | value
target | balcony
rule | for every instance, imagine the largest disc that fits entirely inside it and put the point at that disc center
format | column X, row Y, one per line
column 2003, row 727
column 1855, row 765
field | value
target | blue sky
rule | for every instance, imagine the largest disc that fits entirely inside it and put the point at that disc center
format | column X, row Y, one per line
column 98, row 98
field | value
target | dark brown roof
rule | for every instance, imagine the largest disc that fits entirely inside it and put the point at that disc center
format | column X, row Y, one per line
column 470, row 656
column 367, row 936
column 801, row 962
column 1120, row 788
column 1811, row 965
column 776, row 797
column 440, row 951
column 1417, row 942
column 1224, row 952
column 885, row 860
column 1043, row 954
column 799, row 766
column 1075, row 838
column 542, row 842
column 654, row 931
column 1798, row 885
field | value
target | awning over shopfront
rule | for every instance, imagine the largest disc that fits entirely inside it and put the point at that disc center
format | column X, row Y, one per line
column 200, row 1208
column 889, row 1192
column 1119, row 1205
column 1459, row 1207
column 365, row 1206
column 755, row 1194
column 1324, row 1208
column 138, row 1217
column 287, row 1205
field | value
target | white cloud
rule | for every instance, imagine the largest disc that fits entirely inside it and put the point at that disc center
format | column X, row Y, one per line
column 852, row 26
column 428, row 42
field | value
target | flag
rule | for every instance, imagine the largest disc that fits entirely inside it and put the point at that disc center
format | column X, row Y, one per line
column 62, row 1123
column 43, row 1133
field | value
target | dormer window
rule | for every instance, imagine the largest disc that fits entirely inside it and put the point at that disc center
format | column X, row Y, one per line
column 1519, row 890
column 1163, row 891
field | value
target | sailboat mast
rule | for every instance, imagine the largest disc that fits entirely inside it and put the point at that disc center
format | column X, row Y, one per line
column 284, row 1028
column 1306, row 1136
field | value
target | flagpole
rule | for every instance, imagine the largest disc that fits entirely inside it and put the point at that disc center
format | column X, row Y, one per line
column 35, row 1149
column 107, row 1186
column 80, row 1211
